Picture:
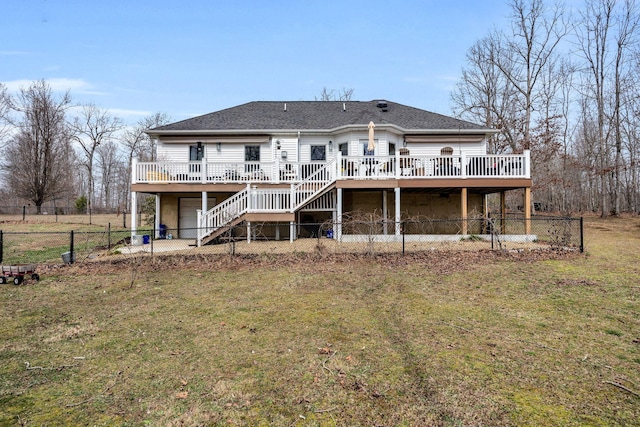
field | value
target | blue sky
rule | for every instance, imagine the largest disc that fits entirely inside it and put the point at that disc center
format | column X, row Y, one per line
column 186, row 58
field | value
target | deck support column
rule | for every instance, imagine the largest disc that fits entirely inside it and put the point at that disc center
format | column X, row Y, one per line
column 292, row 231
column 503, row 212
column 156, row 224
column 205, row 208
column 485, row 206
column 385, row 212
column 463, row 200
column 527, row 210
column 248, row 231
column 398, row 217
column 339, row 215
column 134, row 208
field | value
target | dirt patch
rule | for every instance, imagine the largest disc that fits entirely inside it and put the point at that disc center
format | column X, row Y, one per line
column 442, row 262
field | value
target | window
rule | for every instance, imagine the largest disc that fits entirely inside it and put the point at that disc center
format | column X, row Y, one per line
column 365, row 147
column 252, row 154
column 392, row 149
column 344, row 149
column 446, row 151
column 196, row 153
column 318, row 153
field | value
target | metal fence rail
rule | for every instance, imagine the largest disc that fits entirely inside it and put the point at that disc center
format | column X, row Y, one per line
column 374, row 237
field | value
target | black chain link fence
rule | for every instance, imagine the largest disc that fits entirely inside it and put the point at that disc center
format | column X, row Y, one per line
column 373, row 237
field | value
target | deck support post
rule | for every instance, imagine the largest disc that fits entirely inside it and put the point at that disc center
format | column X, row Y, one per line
column 503, row 212
column 156, row 224
column 463, row 203
column 398, row 218
column 248, row 231
column 292, row 231
column 205, row 208
column 527, row 210
column 134, row 214
column 385, row 212
column 485, row 206
column 339, row 215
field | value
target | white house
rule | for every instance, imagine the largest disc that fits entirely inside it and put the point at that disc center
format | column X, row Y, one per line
column 288, row 162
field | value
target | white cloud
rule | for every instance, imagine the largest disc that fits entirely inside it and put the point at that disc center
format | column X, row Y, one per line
column 56, row 84
column 122, row 113
column 64, row 84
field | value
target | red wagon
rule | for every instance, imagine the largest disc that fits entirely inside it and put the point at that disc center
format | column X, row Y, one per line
column 18, row 271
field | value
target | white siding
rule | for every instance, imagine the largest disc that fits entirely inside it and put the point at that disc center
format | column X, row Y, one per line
column 300, row 150
column 288, row 144
column 433, row 148
column 173, row 152
column 307, row 141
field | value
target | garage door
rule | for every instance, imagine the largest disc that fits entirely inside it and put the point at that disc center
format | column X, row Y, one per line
column 187, row 218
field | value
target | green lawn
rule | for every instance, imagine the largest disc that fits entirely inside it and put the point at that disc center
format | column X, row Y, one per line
column 439, row 338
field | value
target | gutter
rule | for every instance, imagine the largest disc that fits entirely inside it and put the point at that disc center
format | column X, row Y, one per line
column 363, row 127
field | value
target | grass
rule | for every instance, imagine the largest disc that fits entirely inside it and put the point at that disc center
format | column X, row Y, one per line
column 428, row 339
column 63, row 222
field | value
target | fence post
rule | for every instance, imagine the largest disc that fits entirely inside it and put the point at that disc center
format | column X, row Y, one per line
column 1, row 246
column 24, row 212
column 109, row 236
column 124, row 219
column 402, row 231
column 71, row 255
column 581, row 234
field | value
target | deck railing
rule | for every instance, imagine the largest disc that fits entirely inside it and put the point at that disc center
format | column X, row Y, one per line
column 268, row 200
column 348, row 167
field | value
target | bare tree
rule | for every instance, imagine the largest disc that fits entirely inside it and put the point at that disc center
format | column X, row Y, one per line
column 604, row 65
column 5, row 109
column 330, row 95
column 484, row 95
column 536, row 33
column 93, row 127
column 137, row 143
column 109, row 167
column 38, row 155
column 140, row 145
column 626, row 39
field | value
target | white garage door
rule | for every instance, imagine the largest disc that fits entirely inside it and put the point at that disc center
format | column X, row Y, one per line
column 187, row 219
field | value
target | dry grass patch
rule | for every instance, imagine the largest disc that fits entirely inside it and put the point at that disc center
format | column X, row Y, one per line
column 455, row 338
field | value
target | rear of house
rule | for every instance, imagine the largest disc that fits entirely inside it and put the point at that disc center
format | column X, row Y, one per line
column 290, row 163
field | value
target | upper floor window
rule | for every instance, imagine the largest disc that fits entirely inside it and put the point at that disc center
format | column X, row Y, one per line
column 251, row 153
column 318, row 153
column 196, row 152
column 365, row 147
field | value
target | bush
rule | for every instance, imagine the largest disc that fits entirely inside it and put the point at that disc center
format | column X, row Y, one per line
column 81, row 204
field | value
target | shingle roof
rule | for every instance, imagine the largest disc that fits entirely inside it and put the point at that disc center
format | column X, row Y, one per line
column 319, row 116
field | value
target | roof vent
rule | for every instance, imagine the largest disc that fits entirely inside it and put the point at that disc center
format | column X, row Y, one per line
column 382, row 105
